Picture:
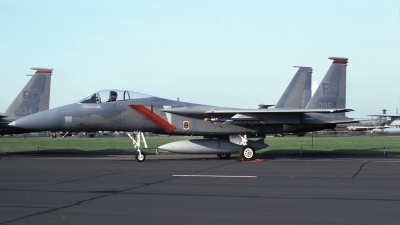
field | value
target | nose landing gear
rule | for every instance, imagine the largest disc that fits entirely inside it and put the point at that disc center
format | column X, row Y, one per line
column 139, row 156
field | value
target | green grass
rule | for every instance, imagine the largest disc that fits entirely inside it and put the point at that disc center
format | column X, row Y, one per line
column 278, row 146
column 333, row 146
column 106, row 145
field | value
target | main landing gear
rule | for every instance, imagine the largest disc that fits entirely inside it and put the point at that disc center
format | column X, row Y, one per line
column 247, row 152
column 139, row 156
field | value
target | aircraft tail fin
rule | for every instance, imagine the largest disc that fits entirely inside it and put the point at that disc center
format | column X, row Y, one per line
column 298, row 92
column 331, row 92
column 34, row 97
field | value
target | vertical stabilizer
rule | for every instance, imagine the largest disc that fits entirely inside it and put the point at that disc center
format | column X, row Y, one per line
column 298, row 92
column 331, row 92
column 34, row 97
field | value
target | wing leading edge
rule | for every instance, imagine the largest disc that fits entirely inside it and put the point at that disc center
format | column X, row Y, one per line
column 189, row 112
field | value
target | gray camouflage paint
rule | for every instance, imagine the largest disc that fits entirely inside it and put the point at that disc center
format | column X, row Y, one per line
column 188, row 118
column 33, row 98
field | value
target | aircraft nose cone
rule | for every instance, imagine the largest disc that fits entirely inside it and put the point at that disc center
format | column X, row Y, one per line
column 41, row 121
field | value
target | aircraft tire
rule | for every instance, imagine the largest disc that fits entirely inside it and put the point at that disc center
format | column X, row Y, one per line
column 140, row 159
column 247, row 152
column 224, row 156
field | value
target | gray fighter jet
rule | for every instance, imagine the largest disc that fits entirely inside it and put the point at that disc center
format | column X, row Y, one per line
column 34, row 97
column 225, row 130
column 382, row 121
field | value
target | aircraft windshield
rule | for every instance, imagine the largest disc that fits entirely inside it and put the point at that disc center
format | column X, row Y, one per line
column 112, row 95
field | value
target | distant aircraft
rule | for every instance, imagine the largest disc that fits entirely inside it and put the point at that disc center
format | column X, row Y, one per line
column 34, row 97
column 390, row 130
column 395, row 122
column 226, row 130
column 381, row 122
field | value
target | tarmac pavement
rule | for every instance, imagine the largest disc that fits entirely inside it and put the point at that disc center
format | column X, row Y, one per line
column 182, row 189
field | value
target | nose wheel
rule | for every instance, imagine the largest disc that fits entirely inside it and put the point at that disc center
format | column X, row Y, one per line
column 140, row 156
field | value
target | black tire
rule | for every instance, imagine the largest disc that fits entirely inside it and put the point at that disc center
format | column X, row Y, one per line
column 247, row 152
column 224, row 156
column 140, row 159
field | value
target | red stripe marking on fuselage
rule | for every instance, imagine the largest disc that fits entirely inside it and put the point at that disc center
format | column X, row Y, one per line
column 153, row 118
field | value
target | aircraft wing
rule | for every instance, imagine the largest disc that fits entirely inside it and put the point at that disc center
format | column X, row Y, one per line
column 248, row 116
column 385, row 115
column 190, row 111
column 269, row 111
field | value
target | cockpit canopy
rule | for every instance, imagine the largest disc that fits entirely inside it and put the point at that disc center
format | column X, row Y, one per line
column 113, row 95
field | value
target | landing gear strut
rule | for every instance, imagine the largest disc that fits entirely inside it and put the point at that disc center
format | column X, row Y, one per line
column 246, row 152
column 139, row 156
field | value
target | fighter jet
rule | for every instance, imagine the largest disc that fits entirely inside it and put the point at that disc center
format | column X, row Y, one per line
column 382, row 121
column 225, row 130
column 34, row 97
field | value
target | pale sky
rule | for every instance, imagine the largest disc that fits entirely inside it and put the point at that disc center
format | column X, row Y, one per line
column 224, row 53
